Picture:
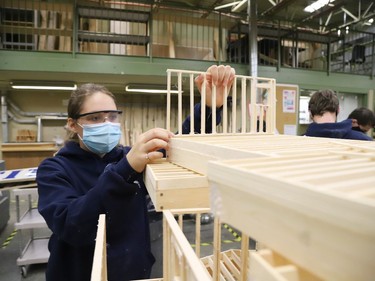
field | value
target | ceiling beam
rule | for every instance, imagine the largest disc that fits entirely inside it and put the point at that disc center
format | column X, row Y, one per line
column 279, row 6
column 323, row 12
column 211, row 8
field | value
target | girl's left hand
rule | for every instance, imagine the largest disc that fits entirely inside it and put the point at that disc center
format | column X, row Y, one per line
column 146, row 148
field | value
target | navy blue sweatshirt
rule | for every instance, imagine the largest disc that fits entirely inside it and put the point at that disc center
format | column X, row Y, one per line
column 339, row 130
column 75, row 186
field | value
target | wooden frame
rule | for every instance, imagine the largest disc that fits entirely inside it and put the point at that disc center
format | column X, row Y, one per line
column 99, row 266
column 311, row 201
column 171, row 186
column 179, row 260
column 241, row 115
column 194, row 152
column 322, row 220
column 180, row 263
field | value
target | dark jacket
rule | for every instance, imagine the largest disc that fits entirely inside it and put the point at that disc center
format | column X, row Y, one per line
column 75, row 186
column 197, row 120
column 339, row 130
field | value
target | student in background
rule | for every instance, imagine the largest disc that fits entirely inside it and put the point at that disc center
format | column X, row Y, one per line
column 363, row 119
column 324, row 108
column 91, row 175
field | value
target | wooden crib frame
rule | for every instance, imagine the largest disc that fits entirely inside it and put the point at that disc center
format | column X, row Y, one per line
column 255, row 181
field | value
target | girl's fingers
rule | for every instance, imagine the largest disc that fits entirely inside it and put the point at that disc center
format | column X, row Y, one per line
column 155, row 144
column 229, row 74
column 213, row 70
column 221, row 74
column 156, row 133
column 154, row 155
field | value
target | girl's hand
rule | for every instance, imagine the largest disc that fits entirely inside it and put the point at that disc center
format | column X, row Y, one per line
column 146, row 146
column 221, row 76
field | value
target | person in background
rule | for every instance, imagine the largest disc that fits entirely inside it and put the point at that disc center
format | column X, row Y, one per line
column 324, row 108
column 220, row 76
column 363, row 119
column 91, row 175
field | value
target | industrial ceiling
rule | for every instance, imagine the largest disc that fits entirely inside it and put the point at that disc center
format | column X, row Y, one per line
column 338, row 14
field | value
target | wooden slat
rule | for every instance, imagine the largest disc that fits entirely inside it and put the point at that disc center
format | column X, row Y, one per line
column 171, row 186
column 262, row 270
column 193, row 152
column 99, row 266
column 182, row 254
column 230, row 265
column 329, row 230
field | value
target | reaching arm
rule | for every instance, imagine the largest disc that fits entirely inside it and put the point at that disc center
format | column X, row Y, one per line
column 221, row 76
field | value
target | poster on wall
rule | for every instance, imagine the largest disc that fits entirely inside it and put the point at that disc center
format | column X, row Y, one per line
column 289, row 101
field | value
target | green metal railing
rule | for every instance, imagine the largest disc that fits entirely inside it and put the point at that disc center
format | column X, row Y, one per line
column 139, row 29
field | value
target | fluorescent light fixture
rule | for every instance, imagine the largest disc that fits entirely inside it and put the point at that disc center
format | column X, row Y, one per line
column 226, row 5
column 148, row 88
column 317, row 5
column 369, row 22
column 239, row 6
column 43, row 85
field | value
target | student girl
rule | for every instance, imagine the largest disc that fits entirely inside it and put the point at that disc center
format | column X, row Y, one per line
column 92, row 174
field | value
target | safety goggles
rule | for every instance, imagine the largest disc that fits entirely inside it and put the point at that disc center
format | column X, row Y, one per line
column 96, row 117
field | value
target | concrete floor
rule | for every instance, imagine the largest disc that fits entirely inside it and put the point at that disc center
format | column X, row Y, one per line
column 11, row 243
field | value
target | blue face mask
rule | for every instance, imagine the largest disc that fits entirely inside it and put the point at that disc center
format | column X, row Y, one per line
column 101, row 138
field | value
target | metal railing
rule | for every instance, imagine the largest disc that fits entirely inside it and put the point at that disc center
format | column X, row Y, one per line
column 136, row 29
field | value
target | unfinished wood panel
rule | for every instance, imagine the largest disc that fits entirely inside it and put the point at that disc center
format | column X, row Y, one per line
column 266, row 192
column 281, row 157
column 194, row 152
column 99, row 266
column 266, row 265
column 229, row 265
column 180, row 261
column 327, row 215
column 171, row 186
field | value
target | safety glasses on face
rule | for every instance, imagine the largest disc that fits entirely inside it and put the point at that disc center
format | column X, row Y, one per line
column 96, row 117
